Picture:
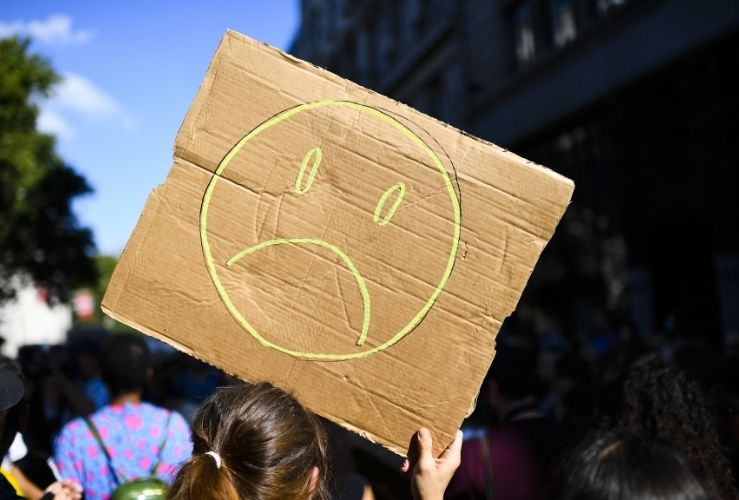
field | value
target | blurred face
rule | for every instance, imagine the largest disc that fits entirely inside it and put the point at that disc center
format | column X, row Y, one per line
column 324, row 215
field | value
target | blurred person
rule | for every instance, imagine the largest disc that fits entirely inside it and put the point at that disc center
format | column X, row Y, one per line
column 75, row 388
column 570, row 398
column 513, row 459
column 12, row 416
column 38, row 362
column 348, row 479
column 601, row 339
column 15, row 474
column 663, row 403
column 579, row 403
column 257, row 442
column 191, row 384
column 139, row 439
column 624, row 465
column 18, row 451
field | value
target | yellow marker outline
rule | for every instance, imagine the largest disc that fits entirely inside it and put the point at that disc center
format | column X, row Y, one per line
column 208, row 254
column 313, row 171
column 311, row 241
column 381, row 204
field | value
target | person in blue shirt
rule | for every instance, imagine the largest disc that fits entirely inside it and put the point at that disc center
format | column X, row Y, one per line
column 140, row 439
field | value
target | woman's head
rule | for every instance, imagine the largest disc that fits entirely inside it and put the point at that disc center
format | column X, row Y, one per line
column 125, row 363
column 662, row 402
column 616, row 465
column 270, row 447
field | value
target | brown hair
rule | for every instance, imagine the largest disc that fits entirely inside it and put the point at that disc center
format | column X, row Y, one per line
column 268, row 444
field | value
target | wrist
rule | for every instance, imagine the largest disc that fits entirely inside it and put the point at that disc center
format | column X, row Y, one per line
column 428, row 496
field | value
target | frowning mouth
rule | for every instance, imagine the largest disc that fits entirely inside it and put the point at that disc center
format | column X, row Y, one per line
column 333, row 248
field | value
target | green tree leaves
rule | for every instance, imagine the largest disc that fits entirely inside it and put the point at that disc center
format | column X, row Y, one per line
column 40, row 237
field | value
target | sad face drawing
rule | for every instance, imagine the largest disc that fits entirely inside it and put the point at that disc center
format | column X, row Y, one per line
column 330, row 230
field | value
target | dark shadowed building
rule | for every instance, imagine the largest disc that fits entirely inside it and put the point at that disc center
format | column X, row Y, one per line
column 636, row 100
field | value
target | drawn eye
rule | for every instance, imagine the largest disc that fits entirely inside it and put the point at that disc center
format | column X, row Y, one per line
column 397, row 190
column 315, row 155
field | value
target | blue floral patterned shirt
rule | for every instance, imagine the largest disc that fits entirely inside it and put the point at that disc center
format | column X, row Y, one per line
column 133, row 435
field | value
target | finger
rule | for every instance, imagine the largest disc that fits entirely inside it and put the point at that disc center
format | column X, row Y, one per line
column 425, row 444
column 453, row 453
column 54, row 488
column 72, row 485
column 455, row 447
column 72, row 491
column 405, row 467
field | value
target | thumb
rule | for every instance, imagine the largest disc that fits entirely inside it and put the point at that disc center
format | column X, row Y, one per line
column 452, row 456
column 425, row 442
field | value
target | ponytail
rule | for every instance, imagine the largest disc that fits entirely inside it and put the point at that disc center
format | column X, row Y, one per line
column 267, row 443
column 200, row 478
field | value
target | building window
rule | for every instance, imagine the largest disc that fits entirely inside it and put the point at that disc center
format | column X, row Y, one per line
column 523, row 29
column 563, row 22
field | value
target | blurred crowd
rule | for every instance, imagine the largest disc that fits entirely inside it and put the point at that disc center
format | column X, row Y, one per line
column 553, row 408
column 615, row 414
column 66, row 381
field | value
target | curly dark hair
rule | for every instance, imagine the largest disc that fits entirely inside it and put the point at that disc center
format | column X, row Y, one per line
column 614, row 465
column 660, row 401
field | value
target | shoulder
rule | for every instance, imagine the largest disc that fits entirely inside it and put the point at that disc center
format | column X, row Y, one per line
column 158, row 414
column 178, row 427
column 175, row 432
column 177, row 419
column 168, row 420
column 74, row 428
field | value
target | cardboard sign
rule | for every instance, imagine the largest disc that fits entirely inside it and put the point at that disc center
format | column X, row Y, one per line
column 337, row 243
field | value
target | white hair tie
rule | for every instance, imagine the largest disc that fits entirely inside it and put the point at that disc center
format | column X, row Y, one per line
column 216, row 457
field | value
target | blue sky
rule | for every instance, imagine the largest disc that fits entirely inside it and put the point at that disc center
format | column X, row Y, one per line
column 131, row 71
